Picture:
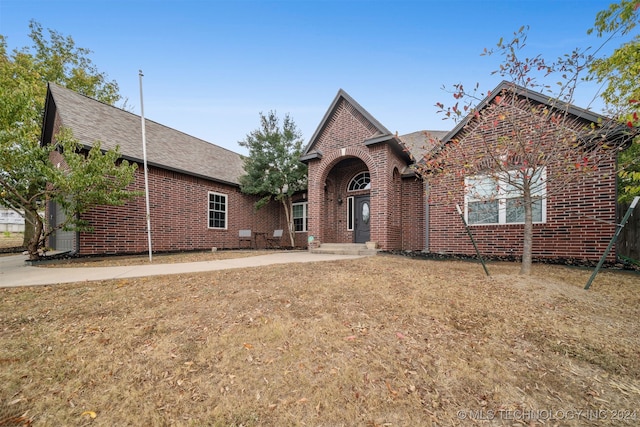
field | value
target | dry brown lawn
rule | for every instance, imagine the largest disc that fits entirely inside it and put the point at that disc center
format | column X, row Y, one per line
column 162, row 258
column 379, row 341
column 10, row 240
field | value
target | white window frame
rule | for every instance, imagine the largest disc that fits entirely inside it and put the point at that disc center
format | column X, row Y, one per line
column 305, row 216
column 502, row 193
column 209, row 210
column 350, row 213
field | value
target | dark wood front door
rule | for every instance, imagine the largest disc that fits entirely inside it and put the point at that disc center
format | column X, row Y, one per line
column 362, row 219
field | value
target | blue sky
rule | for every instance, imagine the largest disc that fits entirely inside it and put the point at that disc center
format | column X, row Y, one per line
column 211, row 66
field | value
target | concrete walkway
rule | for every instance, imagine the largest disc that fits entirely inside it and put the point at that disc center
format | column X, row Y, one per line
column 15, row 272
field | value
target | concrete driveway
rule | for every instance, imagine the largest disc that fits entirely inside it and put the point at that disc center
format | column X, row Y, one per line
column 15, row 272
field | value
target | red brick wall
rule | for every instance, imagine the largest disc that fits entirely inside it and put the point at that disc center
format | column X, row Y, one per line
column 413, row 214
column 579, row 225
column 341, row 143
column 580, row 218
column 179, row 217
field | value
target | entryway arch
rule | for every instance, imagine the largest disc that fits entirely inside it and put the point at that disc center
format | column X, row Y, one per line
column 346, row 210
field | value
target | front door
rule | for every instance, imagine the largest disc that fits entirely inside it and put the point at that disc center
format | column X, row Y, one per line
column 362, row 219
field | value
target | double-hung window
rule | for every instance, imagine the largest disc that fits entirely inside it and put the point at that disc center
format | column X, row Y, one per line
column 218, row 207
column 499, row 200
column 300, row 219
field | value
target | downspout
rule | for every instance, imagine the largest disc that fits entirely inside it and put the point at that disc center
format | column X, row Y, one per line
column 426, row 216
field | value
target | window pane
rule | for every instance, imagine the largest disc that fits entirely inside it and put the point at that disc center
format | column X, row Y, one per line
column 515, row 210
column 362, row 181
column 365, row 212
column 300, row 216
column 482, row 188
column 483, row 212
column 537, row 183
column 217, row 210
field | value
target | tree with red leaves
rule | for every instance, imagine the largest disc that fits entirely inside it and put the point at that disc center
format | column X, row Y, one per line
column 515, row 148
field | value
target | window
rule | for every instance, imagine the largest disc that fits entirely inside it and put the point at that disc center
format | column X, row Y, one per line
column 300, row 220
column 361, row 181
column 350, row 219
column 495, row 200
column 217, row 210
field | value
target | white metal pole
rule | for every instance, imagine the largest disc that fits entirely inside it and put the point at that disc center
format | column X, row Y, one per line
column 146, row 177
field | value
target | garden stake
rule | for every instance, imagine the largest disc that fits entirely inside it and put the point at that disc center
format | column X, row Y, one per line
column 472, row 239
column 613, row 240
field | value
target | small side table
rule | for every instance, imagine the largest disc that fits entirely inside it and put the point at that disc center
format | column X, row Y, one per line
column 260, row 234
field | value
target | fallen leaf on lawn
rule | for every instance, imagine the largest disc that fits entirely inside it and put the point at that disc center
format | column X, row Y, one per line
column 392, row 391
column 247, row 346
column 400, row 336
column 350, row 338
column 89, row 413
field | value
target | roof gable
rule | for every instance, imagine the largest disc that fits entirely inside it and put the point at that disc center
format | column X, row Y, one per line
column 526, row 93
column 167, row 148
column 378, row 131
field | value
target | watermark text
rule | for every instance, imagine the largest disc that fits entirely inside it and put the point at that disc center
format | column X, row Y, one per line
column 623, row 415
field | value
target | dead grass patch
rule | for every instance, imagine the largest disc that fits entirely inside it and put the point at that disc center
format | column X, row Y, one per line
column 11, row 240
column 375, row 341
column 161, row 258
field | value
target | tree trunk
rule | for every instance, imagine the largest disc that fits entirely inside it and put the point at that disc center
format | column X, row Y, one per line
column 527, row 240
column 288, row 213
column 29, row 228
column 34, row 242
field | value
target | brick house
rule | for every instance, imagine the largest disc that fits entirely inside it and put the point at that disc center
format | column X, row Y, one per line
column 362, row 187
column 194, row 194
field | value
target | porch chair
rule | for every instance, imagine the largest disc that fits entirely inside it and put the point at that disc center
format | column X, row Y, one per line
column 274, row 241
column 245, row 236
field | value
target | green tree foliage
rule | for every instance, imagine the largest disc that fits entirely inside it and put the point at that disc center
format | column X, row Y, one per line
column 273, row 170
column 76, row 180
column 27, row 176
column 620, row 72
column 514, row 141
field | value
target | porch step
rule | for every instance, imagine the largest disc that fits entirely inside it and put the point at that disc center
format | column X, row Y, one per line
column 344, row 249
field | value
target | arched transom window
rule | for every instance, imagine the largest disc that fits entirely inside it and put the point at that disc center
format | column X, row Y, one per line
column 361, row 181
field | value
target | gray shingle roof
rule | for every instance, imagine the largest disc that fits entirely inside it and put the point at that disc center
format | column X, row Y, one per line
column 422, row 142
column 91, row 121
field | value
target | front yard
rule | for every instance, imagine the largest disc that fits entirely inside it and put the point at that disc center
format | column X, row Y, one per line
column 376, row 341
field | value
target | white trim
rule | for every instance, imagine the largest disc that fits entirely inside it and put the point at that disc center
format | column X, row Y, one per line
column 209, row 210
column 350, row 213
column 305, row 216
